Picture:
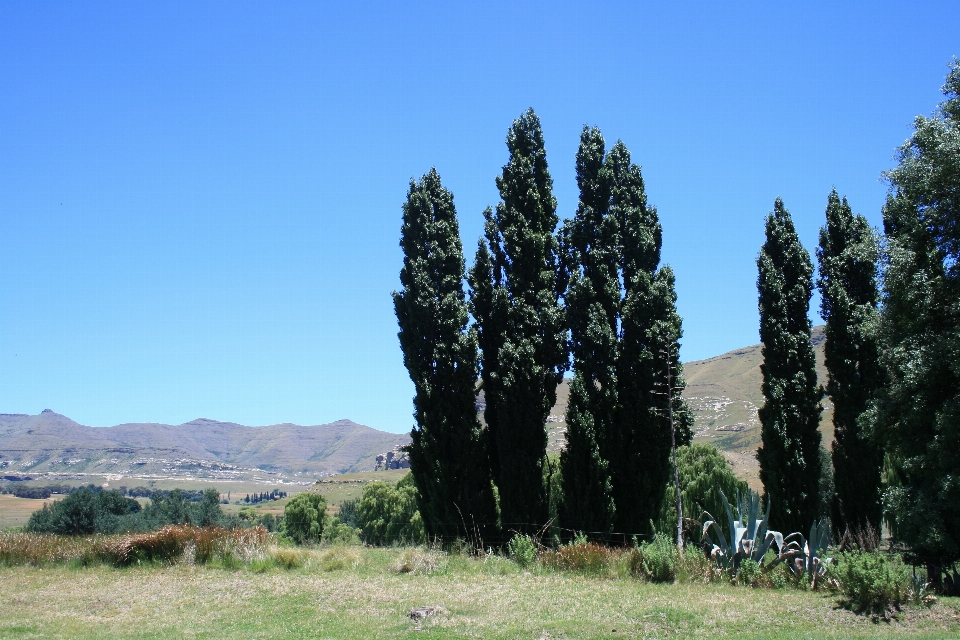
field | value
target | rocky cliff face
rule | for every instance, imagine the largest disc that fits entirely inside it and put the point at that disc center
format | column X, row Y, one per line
column 396, row 458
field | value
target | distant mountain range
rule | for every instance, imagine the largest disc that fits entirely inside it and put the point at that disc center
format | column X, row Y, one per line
column 50, row 443
column 723, row 392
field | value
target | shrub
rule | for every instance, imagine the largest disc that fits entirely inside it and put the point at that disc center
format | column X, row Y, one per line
column 871, row 582
column 750, row 574
column 694, row 566
column 522, row 550
column 659, row 559
column 340, row 533
column 304, row 516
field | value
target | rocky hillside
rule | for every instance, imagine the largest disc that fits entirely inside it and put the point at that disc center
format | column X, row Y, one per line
column 724, row 394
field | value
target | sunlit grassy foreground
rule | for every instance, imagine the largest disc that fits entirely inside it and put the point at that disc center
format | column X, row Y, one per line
column 357, row 592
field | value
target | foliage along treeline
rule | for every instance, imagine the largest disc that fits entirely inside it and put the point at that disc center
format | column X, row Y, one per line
column 86, row 511
column 595, row 287
column 384, row 514
column 45, row 491
column 892, row 311
column 263, row 496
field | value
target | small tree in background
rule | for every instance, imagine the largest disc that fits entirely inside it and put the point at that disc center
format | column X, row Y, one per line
column 446, row 450
column 304, row 516
column 387, row 514
column 790, row 463
column 515, row 290
column 703, row 471
column 847, row 256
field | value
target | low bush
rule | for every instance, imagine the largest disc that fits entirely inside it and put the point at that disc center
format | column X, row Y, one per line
column 338, row 532
column 658, row 560
column 871, row 582
column 522, row 550
column 44, row 549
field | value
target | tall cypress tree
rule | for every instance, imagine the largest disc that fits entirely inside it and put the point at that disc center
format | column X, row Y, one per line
column 591, row 242
column 790, row 453
column 515, row 290
column 621, row 308
column 847, row 257
column 440, row 354
column 917, row 413
column 649, row 334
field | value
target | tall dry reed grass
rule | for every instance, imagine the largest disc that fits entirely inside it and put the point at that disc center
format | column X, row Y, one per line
column 170, row 544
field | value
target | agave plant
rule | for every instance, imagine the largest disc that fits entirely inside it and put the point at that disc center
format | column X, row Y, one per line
column 807, row 553
column 749, row 535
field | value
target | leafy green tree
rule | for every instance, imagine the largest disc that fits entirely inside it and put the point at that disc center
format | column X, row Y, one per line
column 917, row 413
column 304, row 517
column 848, row 257
column 440, row 353
column 83, row 512
column 515, row 290
column 789, row 457
column 704, row 472
column 387, row 514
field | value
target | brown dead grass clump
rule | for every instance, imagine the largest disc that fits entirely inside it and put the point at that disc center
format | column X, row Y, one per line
column 587, row 558
column 419, row 561
column 175, row 542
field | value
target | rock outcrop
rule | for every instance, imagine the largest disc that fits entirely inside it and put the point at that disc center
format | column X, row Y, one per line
column 396, row 458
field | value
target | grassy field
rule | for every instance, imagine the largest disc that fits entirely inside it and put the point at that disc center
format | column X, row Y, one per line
column 349, row 486
column 356, row 592
column 14, row 512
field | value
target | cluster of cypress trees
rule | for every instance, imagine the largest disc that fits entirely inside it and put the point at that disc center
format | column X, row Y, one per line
column 892, row 354
column 624, row 332
column 594, row 288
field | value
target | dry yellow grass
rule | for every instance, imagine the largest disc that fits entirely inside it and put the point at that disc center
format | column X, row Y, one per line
column 354, row 592
column 14, row 512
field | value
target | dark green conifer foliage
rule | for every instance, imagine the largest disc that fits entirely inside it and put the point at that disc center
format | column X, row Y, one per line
column 917, row 413
column 515, row 290
column 440, row 354
column 650, row 327
column 622, row 315
column 790, row 453
column 847, row 257
column 591, row 241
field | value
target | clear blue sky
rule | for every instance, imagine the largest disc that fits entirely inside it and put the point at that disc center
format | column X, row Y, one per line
column 200, row 202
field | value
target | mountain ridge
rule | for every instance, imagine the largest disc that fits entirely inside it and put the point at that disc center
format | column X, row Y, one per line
column 52, row 443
